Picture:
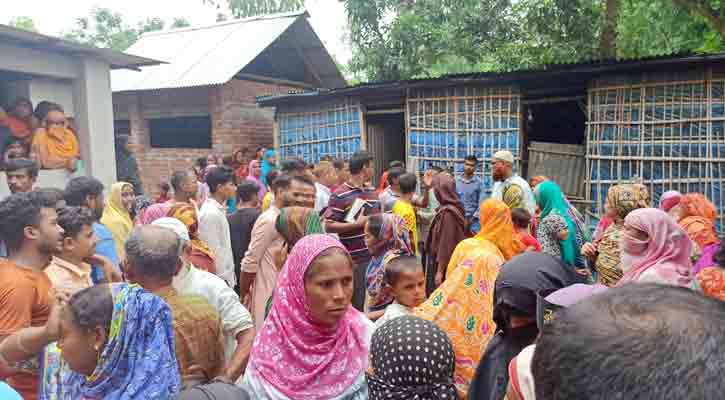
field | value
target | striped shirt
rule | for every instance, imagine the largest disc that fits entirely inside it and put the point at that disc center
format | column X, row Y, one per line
column 340, row 202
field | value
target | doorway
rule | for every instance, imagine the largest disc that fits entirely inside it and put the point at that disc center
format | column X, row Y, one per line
column 386, row 140
column 555, row 141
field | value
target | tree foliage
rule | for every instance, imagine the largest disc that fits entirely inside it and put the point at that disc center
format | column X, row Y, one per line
column 398, row 39
column 250, row 8
column 106, row 28
column 25, row 23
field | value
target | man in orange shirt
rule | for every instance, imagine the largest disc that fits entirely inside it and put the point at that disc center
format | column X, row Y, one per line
column 32, row 235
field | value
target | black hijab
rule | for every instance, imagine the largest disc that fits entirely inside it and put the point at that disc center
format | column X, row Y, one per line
column 517, row 284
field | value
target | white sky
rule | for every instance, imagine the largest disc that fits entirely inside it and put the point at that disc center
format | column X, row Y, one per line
column 53, row 17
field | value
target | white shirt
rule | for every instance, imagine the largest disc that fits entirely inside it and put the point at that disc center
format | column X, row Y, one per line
column 322, row 197
column 529, row 199
column 214, row 230
column 393, row 311
column 235, row 318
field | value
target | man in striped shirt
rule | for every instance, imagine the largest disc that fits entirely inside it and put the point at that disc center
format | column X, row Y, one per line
column 352, row 234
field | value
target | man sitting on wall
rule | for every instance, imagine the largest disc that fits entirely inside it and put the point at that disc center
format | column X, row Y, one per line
column 54, row 145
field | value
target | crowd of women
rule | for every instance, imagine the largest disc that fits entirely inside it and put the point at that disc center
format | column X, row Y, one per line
column 446, row 312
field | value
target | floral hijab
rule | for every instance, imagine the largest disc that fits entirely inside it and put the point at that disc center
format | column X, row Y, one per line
column 394, row 234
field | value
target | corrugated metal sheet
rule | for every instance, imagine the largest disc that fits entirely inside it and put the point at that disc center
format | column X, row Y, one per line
column 588, row 69
column 53, row 44
column 202, row 56
column 565, row 164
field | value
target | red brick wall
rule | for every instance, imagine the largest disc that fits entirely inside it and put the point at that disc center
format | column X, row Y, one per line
column 237, row 121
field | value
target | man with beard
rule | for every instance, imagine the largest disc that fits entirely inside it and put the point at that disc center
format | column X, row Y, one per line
column 85, row 191
column 509, row 187
column 31, row 232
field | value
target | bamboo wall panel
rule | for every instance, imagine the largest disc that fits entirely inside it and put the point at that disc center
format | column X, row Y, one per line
column 565, row 164
column 669, row 135
column 316, row 131
column 446, row 125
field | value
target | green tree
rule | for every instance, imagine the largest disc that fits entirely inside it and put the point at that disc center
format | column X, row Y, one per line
column 106, row 28
column 399, row 39
column 249, row 8
column 25, row 23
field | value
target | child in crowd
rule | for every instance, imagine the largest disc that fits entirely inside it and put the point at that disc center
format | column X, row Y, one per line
column 405, row 278
column 555, row 230
column 522, row 222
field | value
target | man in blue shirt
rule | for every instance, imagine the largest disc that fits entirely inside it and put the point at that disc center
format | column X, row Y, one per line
column 85, row 191
column 470, row 190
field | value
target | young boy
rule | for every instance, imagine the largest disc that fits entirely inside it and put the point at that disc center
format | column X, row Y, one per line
column 69, row 271
column 522, row 220
column 405, row 278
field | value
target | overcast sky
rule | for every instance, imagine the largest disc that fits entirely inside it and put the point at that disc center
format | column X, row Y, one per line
column 54, row 17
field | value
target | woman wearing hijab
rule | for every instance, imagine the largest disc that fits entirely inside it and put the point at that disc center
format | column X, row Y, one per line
column 514, row 312
column 269, row 164
column 461, row 306
column 386, row 236
column 447, row 229
column 670, row 200
column 201, row 256
column 551, row 201
column 697, row 215
column 710, row 280
column 314, row 344
column 118, row 340
column 240, row 164
column 405, row 366
column 654, row 249
column 117, row 215
column 294, row 223
column 255, row 175
column 606, row 252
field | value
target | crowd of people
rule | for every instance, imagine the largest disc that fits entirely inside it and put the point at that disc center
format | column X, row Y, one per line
column 43, row 134
column 251, row 277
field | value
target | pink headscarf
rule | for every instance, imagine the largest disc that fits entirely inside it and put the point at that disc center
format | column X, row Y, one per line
column 154, row 212
column 298, row 356
column 251, row 178
column 666, row 252
column 669, row 199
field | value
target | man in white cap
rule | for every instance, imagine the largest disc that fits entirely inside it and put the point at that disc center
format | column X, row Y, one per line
column 508, row 187
column 237, row 322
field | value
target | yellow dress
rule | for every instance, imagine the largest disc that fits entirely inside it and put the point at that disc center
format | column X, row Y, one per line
column 117, row 219
column 463, row 305
column 405, row 210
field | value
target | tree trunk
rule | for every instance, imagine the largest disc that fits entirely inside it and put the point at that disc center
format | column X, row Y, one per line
column 703, row 8
column 608, row 38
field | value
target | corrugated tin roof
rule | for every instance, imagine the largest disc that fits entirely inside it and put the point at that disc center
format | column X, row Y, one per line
column 586, row 68
column 203, row 56
column 116, row 59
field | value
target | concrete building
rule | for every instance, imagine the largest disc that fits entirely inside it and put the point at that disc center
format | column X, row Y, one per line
column 203, row 99
column 76, row 76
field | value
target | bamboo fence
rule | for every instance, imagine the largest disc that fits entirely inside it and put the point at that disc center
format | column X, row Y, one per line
column 669, row 135
column 330, row 130
column 446, row 125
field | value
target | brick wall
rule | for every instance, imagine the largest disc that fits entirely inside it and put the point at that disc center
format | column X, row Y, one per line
column 237, row 122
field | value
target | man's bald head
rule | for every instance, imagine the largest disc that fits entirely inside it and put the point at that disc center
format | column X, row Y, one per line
column 152, row 252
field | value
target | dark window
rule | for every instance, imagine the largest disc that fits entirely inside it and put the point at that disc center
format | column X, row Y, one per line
column 181, row 132
column 121, row 127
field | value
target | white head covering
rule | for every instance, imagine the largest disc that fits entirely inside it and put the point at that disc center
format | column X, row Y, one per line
column 175, row 225
column 504, row 155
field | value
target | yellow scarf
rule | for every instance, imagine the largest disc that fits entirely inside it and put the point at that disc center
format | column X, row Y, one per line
column 117, row 219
